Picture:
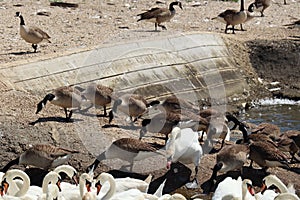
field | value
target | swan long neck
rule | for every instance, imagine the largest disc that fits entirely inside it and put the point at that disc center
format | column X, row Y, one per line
column 82, row 181
column 112, row 188
column 26, row 181
column 170, row 147
column 51, row 177
column 281, row 186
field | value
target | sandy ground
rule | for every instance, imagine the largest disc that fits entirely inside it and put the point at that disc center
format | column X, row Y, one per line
column 273, row 51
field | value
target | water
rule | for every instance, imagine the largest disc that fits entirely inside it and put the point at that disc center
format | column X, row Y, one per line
column 283, row 113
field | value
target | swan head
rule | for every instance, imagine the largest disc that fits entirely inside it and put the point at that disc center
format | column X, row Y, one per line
column 69, row 171
column 269, row 181
column 248, row 184
column 53, row 178
column 87, row 180
column 101, row 179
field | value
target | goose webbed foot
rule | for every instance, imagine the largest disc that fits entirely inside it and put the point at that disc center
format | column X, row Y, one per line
column 34, row 46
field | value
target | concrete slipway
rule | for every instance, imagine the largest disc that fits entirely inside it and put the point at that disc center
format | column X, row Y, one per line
column 194, row 66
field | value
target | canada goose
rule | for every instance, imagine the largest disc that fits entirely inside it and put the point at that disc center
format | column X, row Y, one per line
column 33, row 35
column 128, row 149
column 164, row 122
column 271, row 130
column 65, row 97
column 160, row 15
column 183, row 146
column 250, row 16
column 234, row 189
column 43, row 156
column 174, row 104
column 99, row 95
column 133, row 105
column 260, row 5
column 288, row 145
column 266, row 155
column 232, row 17
column 131, row 194
column 294, row 135
column 232, row 157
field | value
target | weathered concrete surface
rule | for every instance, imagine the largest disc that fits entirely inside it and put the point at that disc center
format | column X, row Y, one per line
column 196, row 65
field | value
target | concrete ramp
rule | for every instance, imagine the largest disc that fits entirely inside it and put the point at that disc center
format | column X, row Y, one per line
column 194, row 66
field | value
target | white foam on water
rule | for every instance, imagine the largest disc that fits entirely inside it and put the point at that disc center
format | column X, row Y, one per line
column 265, row 102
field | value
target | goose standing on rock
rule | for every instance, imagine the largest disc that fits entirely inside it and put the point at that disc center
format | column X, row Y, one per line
column 160, row 15
column 133, row 105
column 33, row 35
column 232, row 17
column 43, row 156
column 99, row 95
column 128, row 149
column 65, row 97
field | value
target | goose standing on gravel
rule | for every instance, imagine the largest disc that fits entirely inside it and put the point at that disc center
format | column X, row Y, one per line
column 43, row 156
column 33, row 35
column 65, row 97
column 232, row 17
column 99, row 95
column 160, row 15
column 260, row 5
column 183, row 146
column 267, row 155
column 128, row 149
column 133, row 105
column 230, row 158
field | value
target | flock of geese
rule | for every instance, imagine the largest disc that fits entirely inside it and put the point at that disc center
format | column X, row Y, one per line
column 233, row 17
column 190, row 133
column 179, row 120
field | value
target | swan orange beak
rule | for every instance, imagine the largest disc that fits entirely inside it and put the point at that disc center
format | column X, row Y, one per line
column 263, row 188
column 251, row 190
column 88, row 185
column 5, row 186
column 74, row 178
column 1, row 190
column 98, row 186
column 58, row 185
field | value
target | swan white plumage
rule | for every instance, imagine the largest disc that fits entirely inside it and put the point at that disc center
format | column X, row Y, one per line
column 71, row 172
column 286, row 196
column 183, row 146
column 274, row 180
column 234, row 189
column 124, row 184
column 21, row 187
column 51, row 187
column 111, row 194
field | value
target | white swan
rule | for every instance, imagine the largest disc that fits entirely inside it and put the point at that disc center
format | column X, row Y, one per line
column 51, row 187
column 234, row 189
column 124, row 184
column 183, row 146
column 111, row 194
column 21, row 189
column 286, row 196
column 71, row 172
column 274, row 180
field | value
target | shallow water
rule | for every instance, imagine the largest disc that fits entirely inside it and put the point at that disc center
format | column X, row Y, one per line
column 284, row 113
